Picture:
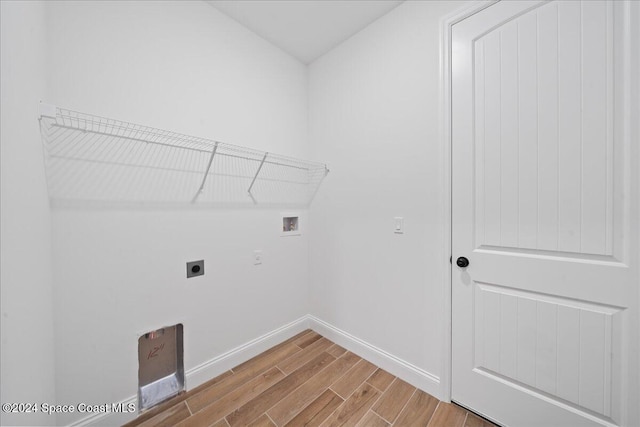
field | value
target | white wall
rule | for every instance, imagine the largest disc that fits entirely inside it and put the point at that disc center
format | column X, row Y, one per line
column 373, row 105
column 374, row 117
column 27, row 312
column 185, row 67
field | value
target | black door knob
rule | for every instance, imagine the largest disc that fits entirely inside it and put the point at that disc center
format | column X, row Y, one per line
column 462, row 262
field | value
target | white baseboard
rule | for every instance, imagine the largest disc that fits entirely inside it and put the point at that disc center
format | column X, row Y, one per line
column 214, row 367
column 219, row 364
column 209, row 369
column 402, row 369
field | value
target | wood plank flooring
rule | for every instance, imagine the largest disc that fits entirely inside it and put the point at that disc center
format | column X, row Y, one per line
column 307, row 381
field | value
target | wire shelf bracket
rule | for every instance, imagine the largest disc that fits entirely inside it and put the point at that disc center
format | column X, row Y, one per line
column 204, row 178
column 256, row 177
column 89, row 158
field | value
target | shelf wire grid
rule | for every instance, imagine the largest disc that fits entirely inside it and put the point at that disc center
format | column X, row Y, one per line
column 96, row 159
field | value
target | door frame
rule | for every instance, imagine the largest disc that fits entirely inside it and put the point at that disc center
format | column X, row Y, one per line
column 446, row 24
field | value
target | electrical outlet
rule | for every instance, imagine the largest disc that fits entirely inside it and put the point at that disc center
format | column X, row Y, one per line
column 195, row 268
column 398, row 225
column 257, row 257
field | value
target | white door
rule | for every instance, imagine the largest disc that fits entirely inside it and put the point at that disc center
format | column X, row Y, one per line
column 545, row 208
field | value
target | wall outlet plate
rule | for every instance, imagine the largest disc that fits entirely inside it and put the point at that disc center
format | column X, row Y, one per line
column 195, row 268
column 398, row 225
column 257, row 257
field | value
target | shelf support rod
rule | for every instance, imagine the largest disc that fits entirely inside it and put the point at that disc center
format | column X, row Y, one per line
column 204, row 178
column 315, row 191
column 256, row 177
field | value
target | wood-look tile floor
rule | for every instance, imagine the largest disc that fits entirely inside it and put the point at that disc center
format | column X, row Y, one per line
column 307, row 381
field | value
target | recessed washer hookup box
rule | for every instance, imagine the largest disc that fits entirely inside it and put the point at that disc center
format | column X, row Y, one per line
column 160, row 365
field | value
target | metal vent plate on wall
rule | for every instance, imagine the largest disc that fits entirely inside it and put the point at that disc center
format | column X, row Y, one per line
column 160, row 366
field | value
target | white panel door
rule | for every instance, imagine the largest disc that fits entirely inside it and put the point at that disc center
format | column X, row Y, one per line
column 545, row 198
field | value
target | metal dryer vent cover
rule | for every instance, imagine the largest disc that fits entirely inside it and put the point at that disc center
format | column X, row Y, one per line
column 160, row 366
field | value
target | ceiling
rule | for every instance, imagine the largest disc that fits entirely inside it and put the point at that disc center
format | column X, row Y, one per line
column 306, row 29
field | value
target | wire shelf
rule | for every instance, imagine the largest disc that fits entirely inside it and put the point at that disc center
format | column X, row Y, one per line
column 96, row 159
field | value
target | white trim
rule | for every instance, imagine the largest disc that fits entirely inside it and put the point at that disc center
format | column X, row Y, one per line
column 410, row 373
column 219, row 364
column 446, row 23
column 210, row 369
